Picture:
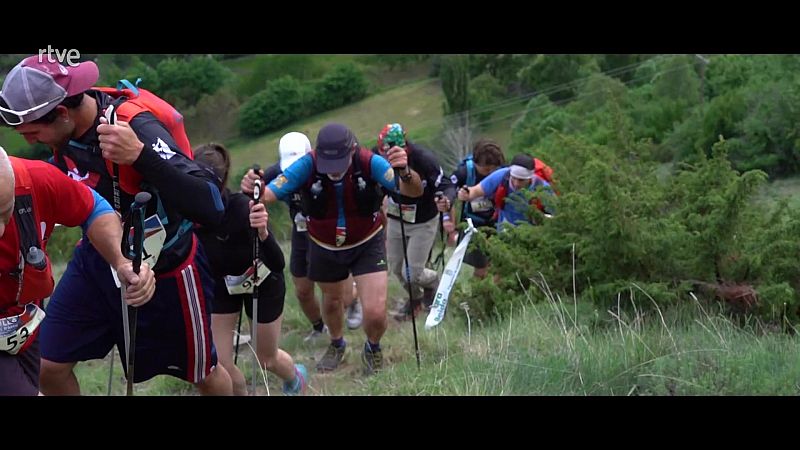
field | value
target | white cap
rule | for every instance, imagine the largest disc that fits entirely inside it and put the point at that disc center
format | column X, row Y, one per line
column 292, row 147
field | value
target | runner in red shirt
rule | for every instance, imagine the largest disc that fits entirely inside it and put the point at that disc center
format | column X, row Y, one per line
column 34, row 196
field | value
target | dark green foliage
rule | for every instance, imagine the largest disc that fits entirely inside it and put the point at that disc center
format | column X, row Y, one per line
column 626, row 224
column 557, row 74
column 279, row 104
column 344, row 84
column 183, row 81
column 505, row 68
column 484, row 91
column 287, row 99
column 272, row 67
column 454, row 73
column 397, row 61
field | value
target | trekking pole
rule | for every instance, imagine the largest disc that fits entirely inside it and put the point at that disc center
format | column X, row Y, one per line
column 463, row 213
column 254, row 321
column 137, row 217
column 408, row 269
column 256, row 169
column 439, row 261
column 238, row 333
column 111, row 116
column 110, row 371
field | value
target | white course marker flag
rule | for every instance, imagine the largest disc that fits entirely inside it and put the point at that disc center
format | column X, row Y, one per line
column 448, row 280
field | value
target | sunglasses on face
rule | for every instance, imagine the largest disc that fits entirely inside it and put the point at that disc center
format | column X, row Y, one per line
column 14, row 118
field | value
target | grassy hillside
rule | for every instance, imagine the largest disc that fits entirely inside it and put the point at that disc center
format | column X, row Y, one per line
column 551, row 348
column 253, row 71
column 417, row 105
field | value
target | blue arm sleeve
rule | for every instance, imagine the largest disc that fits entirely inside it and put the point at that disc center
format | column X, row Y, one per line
column 293, row 178
column 382, row 172
column 272, row 172
column 101, row 207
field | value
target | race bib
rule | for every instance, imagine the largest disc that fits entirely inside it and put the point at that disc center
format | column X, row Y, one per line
column 482, row 204
column 154, row 237
column 15, row 330
column 409, row 211
column 243, row 284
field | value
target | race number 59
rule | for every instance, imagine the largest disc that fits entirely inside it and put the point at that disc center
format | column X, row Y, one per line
column 16, row 340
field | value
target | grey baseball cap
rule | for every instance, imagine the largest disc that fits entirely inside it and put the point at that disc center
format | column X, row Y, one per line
column 37, row 85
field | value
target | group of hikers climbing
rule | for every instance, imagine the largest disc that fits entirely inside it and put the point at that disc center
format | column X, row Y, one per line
column 170, row 256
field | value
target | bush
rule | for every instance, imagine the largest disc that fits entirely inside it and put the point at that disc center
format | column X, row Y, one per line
column 628, row 227
column 183, row 81
column 557, row 74
column 279, row 104
column 696, row 226
column 344, row 84
column 484, row 90
column 272, row 67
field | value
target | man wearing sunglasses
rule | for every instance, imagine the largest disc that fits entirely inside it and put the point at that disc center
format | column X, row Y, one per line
column 34, row 196
column 56, row 105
